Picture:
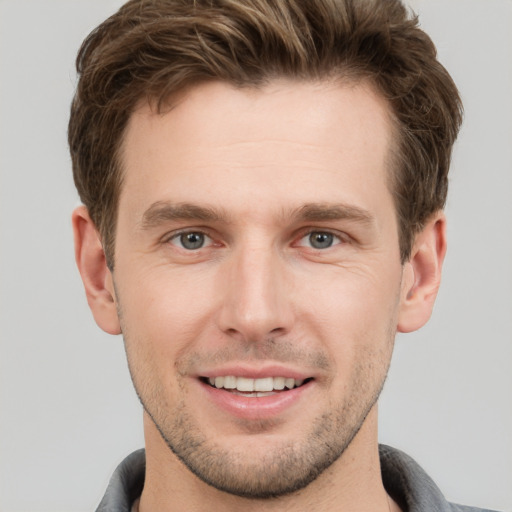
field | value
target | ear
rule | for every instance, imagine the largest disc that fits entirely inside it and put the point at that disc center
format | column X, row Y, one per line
column 97, row 278
column 422, row 275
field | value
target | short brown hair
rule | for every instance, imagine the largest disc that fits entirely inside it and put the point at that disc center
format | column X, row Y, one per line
column 152, row 49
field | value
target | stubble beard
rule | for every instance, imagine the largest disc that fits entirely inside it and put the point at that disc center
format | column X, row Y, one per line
column 284, row 469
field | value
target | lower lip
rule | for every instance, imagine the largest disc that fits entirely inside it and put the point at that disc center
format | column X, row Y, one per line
column 256, row 408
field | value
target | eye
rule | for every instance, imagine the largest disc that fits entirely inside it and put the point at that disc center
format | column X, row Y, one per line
column 319, row 240
column 191, row 240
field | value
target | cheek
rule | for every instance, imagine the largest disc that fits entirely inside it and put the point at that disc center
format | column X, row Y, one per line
column 353, row 313
column 165, row 310
column 353, row 296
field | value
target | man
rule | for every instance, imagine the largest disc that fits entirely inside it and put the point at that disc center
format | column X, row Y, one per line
column 263, row 185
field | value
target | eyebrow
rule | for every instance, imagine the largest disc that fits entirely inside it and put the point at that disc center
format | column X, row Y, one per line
column 162, row 211
column 319, row 212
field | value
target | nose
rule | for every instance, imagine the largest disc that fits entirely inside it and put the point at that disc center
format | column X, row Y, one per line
column 256, row 303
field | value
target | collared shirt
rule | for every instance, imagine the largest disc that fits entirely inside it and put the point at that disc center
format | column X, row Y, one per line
column 403, row 479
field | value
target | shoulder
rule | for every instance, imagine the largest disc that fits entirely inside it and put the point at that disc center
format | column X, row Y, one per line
column 126, row 484
column 410, row 486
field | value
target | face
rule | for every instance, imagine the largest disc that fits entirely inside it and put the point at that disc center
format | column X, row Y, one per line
column 257, row 276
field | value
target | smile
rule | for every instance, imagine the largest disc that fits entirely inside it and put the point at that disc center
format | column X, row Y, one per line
column 254, row 387
column 256, row 397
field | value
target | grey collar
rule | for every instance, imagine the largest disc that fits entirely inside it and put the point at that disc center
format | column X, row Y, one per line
column 403, row 478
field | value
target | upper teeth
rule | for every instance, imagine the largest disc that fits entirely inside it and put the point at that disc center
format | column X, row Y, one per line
column 245, row 384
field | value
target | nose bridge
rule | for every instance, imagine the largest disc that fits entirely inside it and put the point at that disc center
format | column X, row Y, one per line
column 256, row 303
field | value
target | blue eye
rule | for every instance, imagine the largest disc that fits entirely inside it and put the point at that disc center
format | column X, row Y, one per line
column 319, row 240
column 191, row 240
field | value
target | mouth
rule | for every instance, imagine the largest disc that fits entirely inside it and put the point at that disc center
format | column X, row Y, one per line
column 254, row 388
column 257, row 394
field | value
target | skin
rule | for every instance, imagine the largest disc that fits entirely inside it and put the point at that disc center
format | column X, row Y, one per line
column 262, row 175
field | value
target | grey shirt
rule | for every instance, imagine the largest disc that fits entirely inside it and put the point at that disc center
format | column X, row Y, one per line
column 403, row 479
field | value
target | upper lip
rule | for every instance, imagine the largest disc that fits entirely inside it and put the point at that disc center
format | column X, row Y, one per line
column 251, row 372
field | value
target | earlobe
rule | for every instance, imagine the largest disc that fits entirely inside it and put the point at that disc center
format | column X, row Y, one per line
column 96, row 276
column 422, row 275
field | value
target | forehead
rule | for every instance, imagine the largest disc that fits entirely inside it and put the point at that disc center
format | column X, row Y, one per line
column 283, row 141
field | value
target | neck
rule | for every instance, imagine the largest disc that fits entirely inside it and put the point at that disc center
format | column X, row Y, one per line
column 352, row 483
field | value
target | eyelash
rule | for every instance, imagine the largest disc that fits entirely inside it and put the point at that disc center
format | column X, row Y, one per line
column 179, row 234
column 342, row 238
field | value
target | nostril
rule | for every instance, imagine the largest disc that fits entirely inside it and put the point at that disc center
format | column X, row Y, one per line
column 277, row 331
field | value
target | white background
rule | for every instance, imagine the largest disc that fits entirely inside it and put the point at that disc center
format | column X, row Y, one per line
column 68, row 411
